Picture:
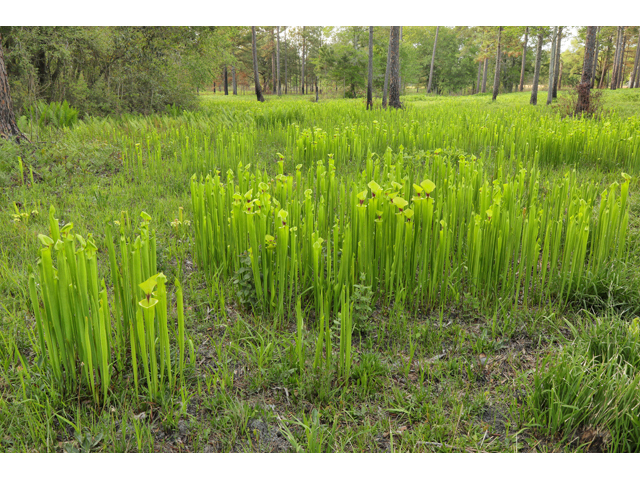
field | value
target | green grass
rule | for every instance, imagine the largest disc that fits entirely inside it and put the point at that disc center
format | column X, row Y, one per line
column 469, row 372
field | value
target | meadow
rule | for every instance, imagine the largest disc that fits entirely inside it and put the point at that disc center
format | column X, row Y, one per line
column 456, row 276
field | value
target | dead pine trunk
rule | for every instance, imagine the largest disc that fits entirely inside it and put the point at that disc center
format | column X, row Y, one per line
column 536, row 72
column 433, row 56
column 256, row 78
column 394, row 68
column 584, row 88
column 557, row 67
column 552, row 64
column 484, row 75
column 370, row 72
column 524, row 59
column 496, row 78
column 8, row 126
column 385, row 90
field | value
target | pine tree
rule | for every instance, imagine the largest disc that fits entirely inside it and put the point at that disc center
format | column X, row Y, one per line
column 552, row 64
column 557, row 66
column 385, row 90
column 278, row 63
column 370, row 73
column 496, row 78
column 524, row 59
column 536, row 73
column 584, row 88
column 433, row 57
column 256, row 78
column 394, row 68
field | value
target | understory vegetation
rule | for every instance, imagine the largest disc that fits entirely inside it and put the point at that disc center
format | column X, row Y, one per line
column 459, row 275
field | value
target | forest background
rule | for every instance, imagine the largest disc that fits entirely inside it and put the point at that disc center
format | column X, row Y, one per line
column 113, row 70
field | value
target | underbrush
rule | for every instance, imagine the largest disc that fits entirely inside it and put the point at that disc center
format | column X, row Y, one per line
column 588, row 394
column 373, row 371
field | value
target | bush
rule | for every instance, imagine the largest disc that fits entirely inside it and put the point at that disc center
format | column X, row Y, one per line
column 56, row 114
column 566, row 105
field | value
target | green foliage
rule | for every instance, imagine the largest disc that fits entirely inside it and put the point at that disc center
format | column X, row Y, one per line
column 419, row 380
column 368, row 373
column 73, row 317
column 102, row 70
column 614, row 340
column 589, row 391
column 56, row 114
column 511, row 238
column 362, row 307
column 314, row 437
column 86, row 443
column 244, row 283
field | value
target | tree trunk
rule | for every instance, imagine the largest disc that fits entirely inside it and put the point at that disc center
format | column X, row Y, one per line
column 479, row 76
column 370, row 73
column 620, row 58
column 621, row 73
column 496, row 78
column 8, row 126
column 226, row 81
column 286, row 80
column 584, row 88
column 557, row 67
column 316, row 89
column 484, row 75
column 433, row 57
column 560, row 76
column 234, row 80
column 616, row 60
column 536, row 73
column 274, row 88
column 605, row 68
column 552, row 65
column 394, row 68
column 511, row 84
column 386, row 74
column 595, row 60
column 304, row 45
column 636, row 65
column 256, row 78
column 278, row 63
column 524, row 59
column 400, row 83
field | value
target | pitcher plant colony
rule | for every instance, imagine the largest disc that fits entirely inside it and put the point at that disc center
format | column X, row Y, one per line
column 290, row 210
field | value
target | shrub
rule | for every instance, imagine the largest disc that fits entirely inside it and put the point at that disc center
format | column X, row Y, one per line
column 56, row 114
